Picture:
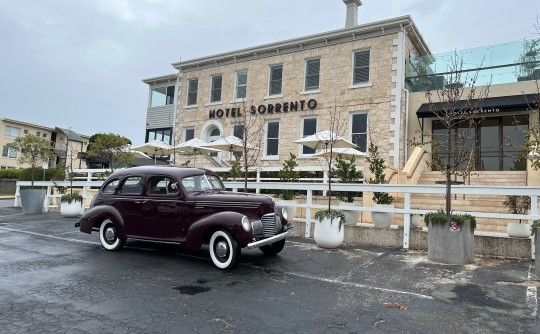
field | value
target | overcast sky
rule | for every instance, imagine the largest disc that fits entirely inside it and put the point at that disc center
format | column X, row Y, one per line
column 79, row 63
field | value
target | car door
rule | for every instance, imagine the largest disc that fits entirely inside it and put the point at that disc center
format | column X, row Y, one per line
column 129, row 201
column 164, row 209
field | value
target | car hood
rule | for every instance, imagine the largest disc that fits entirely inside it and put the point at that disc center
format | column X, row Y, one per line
column 231, row 196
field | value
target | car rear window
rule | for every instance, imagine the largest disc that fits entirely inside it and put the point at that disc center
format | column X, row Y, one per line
column 132, row 185
column 110, row 187
column 162, row 185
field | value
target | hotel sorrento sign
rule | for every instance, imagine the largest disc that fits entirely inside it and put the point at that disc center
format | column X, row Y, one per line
column 270, row 108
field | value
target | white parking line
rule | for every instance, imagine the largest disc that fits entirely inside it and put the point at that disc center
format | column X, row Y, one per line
column 532, row 292
column 49, row 236
column 361, row 286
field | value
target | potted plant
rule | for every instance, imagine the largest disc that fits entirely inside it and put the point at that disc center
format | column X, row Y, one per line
column 32, row 150
column 288, row 174
column 380, row 199
column 71, row 205
column 329, row 231
column 415, row 220
column 450, row 237
column 347, row 173
column 518, row 205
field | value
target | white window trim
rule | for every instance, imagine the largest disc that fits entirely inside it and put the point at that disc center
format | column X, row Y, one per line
column 156, row 87
column 210, row 103
column 269, row 81
column 12, row 127
column 8, row 155
column 187, row 94
column 235, row 91
column 318, row 90
column 365, row 84
column 301, row 150
column 366, row 112
column 265, row 156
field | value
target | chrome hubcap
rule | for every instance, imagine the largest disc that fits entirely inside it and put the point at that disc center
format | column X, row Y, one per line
column 110, row 234
column 221, row 249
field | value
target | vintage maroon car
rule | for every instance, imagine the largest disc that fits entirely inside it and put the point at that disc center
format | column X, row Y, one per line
column 188, row 206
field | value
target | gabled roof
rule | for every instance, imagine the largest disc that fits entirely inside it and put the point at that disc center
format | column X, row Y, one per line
column 70, row 134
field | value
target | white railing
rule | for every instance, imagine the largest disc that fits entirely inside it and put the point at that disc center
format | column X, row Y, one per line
column 405, row 190
column 81, row 187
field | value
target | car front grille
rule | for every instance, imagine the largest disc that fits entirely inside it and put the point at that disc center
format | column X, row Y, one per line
column 268, row 226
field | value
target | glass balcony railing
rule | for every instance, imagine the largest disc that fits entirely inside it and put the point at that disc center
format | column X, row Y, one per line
column 495, row 64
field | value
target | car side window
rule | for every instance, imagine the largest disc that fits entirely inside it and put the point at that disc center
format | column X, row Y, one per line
column 162, row 185
column 132, row 185
column 110, row 187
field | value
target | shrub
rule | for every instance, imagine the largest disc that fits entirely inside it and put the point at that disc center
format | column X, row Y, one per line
column 10, row 174
column 68, row 198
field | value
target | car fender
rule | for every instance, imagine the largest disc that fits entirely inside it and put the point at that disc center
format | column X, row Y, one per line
column 93, row 217
column 199, row 232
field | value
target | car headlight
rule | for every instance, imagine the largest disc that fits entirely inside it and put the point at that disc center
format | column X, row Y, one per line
column 246, row 224
column 284, row 213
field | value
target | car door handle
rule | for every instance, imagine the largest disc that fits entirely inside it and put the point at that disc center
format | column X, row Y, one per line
column 141, row 202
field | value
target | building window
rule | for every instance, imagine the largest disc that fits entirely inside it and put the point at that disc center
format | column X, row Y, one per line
column 361, row 67
column 313, row 67
column 162, row 96
column 38, row 133
column 44, row 135
column 276, row 79
column 272, row 138
column 12, row 132
column 215, row 94
column 309, row 127
column 193, row 87
column 238, row 132
column 189, row 134
column 8, row 152
column 359, row 131
column 240, row 90
column 159, row 134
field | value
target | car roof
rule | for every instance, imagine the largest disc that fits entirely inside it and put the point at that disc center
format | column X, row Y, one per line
column 179, row 172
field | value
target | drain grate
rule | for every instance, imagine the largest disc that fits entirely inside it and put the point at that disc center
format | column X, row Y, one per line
column 191, row 290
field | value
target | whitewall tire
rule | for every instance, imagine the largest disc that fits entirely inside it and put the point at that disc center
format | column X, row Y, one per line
column 224, row 250
column 108, row 236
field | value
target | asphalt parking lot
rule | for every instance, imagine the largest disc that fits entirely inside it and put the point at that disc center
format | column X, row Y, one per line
column 55, row 279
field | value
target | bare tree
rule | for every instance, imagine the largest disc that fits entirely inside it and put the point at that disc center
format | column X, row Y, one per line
column 455, row 106
column 252, row 132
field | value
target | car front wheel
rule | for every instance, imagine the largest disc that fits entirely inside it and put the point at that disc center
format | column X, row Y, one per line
column 108, row 236
column 273, row 249
column 224, row 250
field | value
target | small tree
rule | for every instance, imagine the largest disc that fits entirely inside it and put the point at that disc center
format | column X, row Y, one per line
column 112, row 148
column 289, row 174
column 32, row 150
column 347, row 173
column 377, row 168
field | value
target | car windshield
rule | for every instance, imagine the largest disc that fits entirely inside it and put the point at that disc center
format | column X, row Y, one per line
column 202, row 183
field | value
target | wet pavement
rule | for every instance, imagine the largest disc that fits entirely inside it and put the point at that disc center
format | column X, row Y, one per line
column 54, row 279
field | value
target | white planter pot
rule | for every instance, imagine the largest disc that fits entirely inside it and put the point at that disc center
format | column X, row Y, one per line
column 518, row 230
column 290, row 206
column 415, row 221
column 351, row 216
column 329, row 233
column 73, row 209
column 382, row 219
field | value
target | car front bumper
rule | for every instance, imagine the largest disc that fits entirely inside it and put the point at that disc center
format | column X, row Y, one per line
column 271, row 240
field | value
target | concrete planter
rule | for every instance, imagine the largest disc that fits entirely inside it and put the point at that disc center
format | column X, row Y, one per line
column 329, row 233
column 32, row 200
column 537, row 253
column 290, row 207
column 73, row 209
column 351, row 216
column 382, row 219
column 518, row 230
column 450, row 246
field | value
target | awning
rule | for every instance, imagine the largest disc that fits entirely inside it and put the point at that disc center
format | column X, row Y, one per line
column 490, row 105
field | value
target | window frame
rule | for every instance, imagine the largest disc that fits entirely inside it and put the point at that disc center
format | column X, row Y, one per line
column 190, row 93
column 366, row 133
column 312, row 90
column 10, row 135
column 186, row 129
column 9, row 152
column 303, row 135
column 270, row 75
column 167, row 101
column 353, row 72
column 266, row 140
column 212, row 78
column 236, row 85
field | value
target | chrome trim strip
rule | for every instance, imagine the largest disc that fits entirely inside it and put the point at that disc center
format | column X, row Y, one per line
column 270, row 240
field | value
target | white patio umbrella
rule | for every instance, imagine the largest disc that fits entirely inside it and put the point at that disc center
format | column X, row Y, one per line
column 321, row 140
column 342, row 152
column 155, row 147
column 230, row 144
column 196, row 146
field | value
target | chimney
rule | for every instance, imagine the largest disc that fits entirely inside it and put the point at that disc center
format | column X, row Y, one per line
column 352, row 12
